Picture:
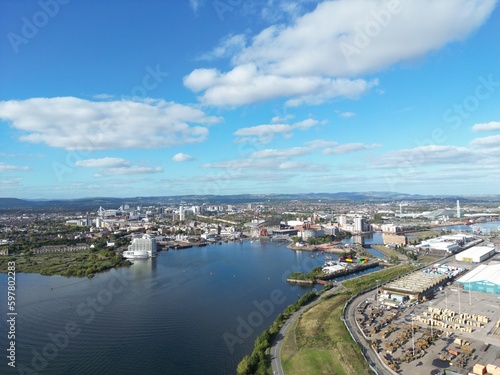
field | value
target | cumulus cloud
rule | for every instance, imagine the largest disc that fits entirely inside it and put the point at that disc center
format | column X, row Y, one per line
column 246, row 84
column 78, row 124
column 492, row 141
column 486, row 127
column 266, row 132
column 180, row 157
column 320, row 54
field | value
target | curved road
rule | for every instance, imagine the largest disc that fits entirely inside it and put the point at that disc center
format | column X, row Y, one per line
column 367, row 350
column 278, row 341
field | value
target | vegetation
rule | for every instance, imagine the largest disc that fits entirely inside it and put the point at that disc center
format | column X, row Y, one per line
column 312, row 275
column 319, row 343
column 81, row 264
column 258, row 362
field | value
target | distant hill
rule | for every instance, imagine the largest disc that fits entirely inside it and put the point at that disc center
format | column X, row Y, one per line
column 92, row 204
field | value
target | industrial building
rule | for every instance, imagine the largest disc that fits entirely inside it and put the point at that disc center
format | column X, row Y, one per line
column 484, row 278
column 476, row 254
column 416, row 285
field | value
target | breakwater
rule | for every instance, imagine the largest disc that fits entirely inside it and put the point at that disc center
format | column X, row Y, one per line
column 334, row 275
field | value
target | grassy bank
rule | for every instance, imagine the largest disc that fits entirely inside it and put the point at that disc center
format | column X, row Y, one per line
column 319, row 342
column 389, row 253
column 310, row 276
column 81, row 264
column 259, row 362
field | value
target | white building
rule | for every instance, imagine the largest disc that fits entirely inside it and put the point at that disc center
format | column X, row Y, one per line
column 144, row 247
column 476, row 254
column 342, row 219
column 359, row 224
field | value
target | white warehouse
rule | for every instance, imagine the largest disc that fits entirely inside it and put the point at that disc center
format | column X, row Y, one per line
column 476, row 254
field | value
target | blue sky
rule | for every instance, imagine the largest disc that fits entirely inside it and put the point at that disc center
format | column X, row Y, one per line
column 142, row 98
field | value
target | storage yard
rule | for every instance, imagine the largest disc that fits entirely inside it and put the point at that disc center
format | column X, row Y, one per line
column 425, row 323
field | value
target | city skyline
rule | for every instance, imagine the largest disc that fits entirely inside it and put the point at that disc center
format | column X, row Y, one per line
column 231, row 97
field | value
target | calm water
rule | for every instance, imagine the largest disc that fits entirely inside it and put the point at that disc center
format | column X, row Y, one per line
column 176, row 314
column 491, row 225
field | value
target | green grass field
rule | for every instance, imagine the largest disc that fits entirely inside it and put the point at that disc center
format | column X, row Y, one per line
column 323, row 343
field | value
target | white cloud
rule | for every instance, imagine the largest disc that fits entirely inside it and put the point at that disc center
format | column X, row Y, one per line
column 78, row 124
column 347, row 114
column 246, row 84
column 12, row 168
column 128, row 170
column 425, row 156
column 275, row 164
column 272, row 153
column 311, row 59
column 321, row 143
column 278, row 119
column 319, row 35
column 11, row 182
column 492, row 141
column 227, row 47
column 277, row 10
column 116, row 166
column 266, row 132
column 180, row 157
column 103, row 163
column 348, row 148
column 485, row 127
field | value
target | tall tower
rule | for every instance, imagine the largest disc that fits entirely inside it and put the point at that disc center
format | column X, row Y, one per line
column 458, row 209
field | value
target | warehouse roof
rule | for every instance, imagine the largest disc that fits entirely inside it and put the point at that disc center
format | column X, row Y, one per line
column 483, row 272
column 416, row 282
column 476, row 252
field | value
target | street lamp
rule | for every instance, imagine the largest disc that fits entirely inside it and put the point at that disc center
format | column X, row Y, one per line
column 470, row 297
column 412, row 336
column 446, row 299
column 431, row 320
column 376, row 296
column 458, row 292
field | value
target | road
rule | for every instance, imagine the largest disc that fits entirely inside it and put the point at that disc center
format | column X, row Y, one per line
column 369, row 353
column 373, row 359
column 278, row 341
